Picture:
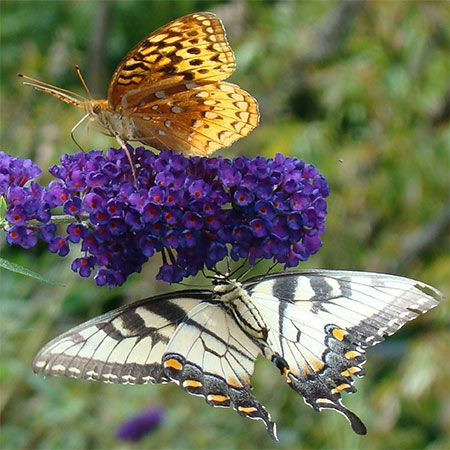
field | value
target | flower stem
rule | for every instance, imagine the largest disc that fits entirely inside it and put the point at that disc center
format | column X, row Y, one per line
column 62, row 219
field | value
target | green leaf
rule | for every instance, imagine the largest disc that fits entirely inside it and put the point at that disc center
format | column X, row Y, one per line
column 13, row 267
column 2, row 207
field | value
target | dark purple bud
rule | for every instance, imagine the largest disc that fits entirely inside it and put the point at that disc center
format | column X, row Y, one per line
column 97, row 179
column 243, row 234
column 291, row 186
column 16, row 195
column 76, row 181
column 187, row 238
column 312, row 244
column 228, row 175
column 16, row 172
column 213, row 223
column 133, row 220
column 215, row 253
column 170, row 273
column 148, row 246
column 172, row 197
column 299, row 202
column 171, row 240
column 199, row 189
column 117, row 226
column 294, row 221
column 192, row 220
column 264, row 190
column 47, row 232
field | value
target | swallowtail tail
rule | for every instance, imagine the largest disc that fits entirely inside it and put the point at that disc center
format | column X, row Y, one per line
column 314, row 325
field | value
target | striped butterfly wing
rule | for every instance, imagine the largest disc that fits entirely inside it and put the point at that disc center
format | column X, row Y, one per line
column 123, row 346
column 197, row 121
column 169, row 87
column 184, row 337
column 211, row 356
column 321, row 321
column 193, row 48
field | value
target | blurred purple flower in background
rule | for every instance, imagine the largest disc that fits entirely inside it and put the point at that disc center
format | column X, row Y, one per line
column 138, row 426
column 195, row 211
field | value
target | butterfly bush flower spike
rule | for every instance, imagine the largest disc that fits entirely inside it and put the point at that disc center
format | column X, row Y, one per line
column 195, row 211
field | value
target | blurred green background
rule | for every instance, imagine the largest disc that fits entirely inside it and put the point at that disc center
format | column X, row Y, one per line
column 361, row 90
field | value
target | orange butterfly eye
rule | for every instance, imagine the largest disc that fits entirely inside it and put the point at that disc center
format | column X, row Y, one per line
column 96, row 109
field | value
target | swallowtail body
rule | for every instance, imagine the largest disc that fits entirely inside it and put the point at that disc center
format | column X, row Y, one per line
column 314, row 325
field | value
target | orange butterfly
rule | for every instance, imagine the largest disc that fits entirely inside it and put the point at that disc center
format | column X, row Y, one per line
column 168, row 91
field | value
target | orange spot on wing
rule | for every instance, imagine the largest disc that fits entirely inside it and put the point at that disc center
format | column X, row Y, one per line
column 350, row 371
column 234, row 382
column 217, row 398
column 247, row 410
column 352, row 354
column 316, row 364
column 339, row 334
column 173, row 364
column 340, row 388
column 289, row 371
column 192, row 384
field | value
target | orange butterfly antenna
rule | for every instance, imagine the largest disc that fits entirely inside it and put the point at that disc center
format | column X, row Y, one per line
column 62, row 94
column 83, row 82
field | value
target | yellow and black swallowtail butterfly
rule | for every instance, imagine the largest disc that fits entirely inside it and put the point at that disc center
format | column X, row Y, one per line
column 314, row 325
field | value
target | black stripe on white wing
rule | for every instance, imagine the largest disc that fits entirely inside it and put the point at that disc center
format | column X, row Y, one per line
column 122, row 346
column 211, row 356
column 320, row 322
column 182, row 337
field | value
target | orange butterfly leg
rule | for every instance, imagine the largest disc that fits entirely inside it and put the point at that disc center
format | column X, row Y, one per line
column 127, row 152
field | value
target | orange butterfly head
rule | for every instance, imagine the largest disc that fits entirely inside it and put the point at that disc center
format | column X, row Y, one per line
column 95, row 109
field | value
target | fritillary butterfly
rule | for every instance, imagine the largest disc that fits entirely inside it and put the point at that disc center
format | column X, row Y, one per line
column 168, row 91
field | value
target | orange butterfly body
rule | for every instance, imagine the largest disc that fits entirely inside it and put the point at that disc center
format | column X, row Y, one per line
column 168, row 91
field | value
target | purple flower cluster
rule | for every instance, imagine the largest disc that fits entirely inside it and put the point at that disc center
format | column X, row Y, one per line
column 23, row 202
column 195, row 211
column 16, row 171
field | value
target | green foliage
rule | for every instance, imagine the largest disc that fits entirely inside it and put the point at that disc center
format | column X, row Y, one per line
column 17, row 268
column 360, row 89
